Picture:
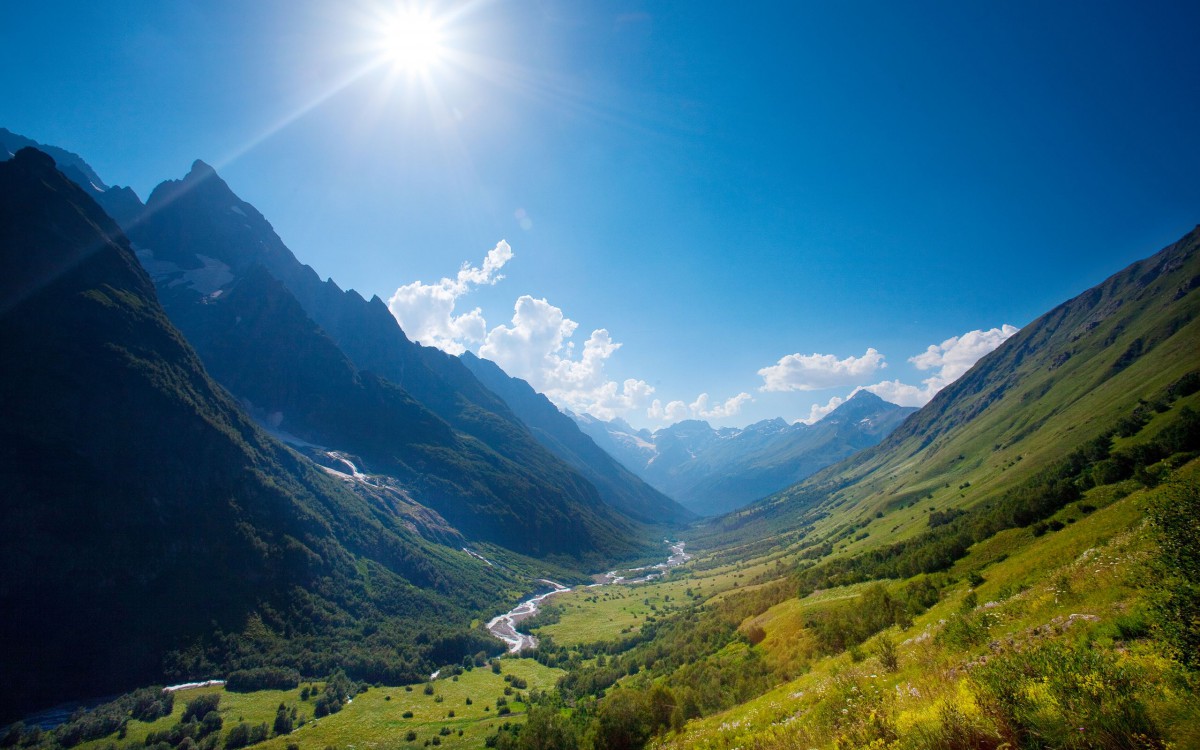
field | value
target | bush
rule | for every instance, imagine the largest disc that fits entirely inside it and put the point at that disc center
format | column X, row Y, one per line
column 285, row 720
column 200, row 706
column 238, row 737
column 1175, row 590
column 150, row 704
column 262, row 678
column 885, row 651
column 1065, row 697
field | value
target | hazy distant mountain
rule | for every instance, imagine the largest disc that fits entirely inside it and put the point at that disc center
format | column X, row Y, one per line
column 154, row 531
column 713, row 471
column 337, row 370
column 617, row 485
column 121, row 203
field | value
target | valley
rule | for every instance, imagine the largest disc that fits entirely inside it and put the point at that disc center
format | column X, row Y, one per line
column 374, row 543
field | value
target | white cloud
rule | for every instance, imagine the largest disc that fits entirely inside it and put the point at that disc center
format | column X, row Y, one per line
column 701, row 409
column 537, row 347
column 903, row 394
column 957, row 354
column 951, row 359
column 426, row 311
column 817, row 412
column 814, row 372
column 672, row 412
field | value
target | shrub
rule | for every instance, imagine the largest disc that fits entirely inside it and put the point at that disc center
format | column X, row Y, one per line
column 262, row 678
column 200, row 706
column 1065, row 697
column 1175, row 591
column 238, row 737
column 885, row 651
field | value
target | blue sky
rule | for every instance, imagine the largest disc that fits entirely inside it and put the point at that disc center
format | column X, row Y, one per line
column 769, row 199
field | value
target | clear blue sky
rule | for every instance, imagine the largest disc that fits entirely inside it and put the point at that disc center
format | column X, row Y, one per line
column 718, row 185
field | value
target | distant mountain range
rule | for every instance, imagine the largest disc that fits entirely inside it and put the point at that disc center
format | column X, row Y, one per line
column 713, row 471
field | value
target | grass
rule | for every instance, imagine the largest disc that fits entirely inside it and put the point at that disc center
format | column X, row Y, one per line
column 1033, row 586
column 374, row 719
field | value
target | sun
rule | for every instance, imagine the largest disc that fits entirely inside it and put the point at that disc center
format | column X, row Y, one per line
column 412, row 40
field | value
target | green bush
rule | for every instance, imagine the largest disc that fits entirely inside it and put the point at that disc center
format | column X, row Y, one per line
column 1174, row 514
column 1070, row 697
column 262, row 678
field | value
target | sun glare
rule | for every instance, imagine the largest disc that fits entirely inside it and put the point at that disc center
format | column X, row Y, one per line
column 412, row 40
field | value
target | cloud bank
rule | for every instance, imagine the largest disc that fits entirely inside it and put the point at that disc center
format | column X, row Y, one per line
column 949, row 360
column 536, row 346
column 815, row 372
column 426, row 311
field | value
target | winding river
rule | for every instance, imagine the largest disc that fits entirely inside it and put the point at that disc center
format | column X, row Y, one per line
column 504, row 626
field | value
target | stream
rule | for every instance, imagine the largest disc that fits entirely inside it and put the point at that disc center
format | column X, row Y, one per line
column 504, row 626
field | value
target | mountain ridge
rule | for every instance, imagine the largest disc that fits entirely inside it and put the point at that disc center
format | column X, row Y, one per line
column 560, row 434
column 487, row 475
column 157, row 523
column 1071, row 374
column 714, row 471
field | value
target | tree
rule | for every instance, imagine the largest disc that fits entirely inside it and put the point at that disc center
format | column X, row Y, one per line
column 623, row 722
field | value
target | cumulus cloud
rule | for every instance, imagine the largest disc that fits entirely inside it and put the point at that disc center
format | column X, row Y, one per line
column 537, row 347
column 702, row 409
column 949, row 359
column 426, row 312
column 673, row 411
column 957, row 354
column 814, row 372
column 817, row 412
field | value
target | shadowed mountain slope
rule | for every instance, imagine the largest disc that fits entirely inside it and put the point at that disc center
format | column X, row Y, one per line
column 156, row 531
column 618, row 486
column 456, row 445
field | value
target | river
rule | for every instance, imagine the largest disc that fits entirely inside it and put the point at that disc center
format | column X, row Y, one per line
column 504, row 626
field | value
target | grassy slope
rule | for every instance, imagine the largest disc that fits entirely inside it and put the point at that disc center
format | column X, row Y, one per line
column 1049, row 389
column 372, row 719
column 1092, row 568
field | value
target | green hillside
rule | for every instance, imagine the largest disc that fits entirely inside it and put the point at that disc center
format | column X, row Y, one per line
column 1062, row 381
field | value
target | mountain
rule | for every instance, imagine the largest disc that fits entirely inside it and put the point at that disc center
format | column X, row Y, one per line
column 1085, row 370
column 560, row 435
column 121, row 203
column 713, row 471
column 1034, row 523
column 337, row 371
column 155, row 531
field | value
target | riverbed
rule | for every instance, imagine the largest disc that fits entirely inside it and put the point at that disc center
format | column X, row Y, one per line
column 504, row 626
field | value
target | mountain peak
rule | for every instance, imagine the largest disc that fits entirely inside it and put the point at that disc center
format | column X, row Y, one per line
column 866, row 397
column 201, row 169
column 34, row 159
